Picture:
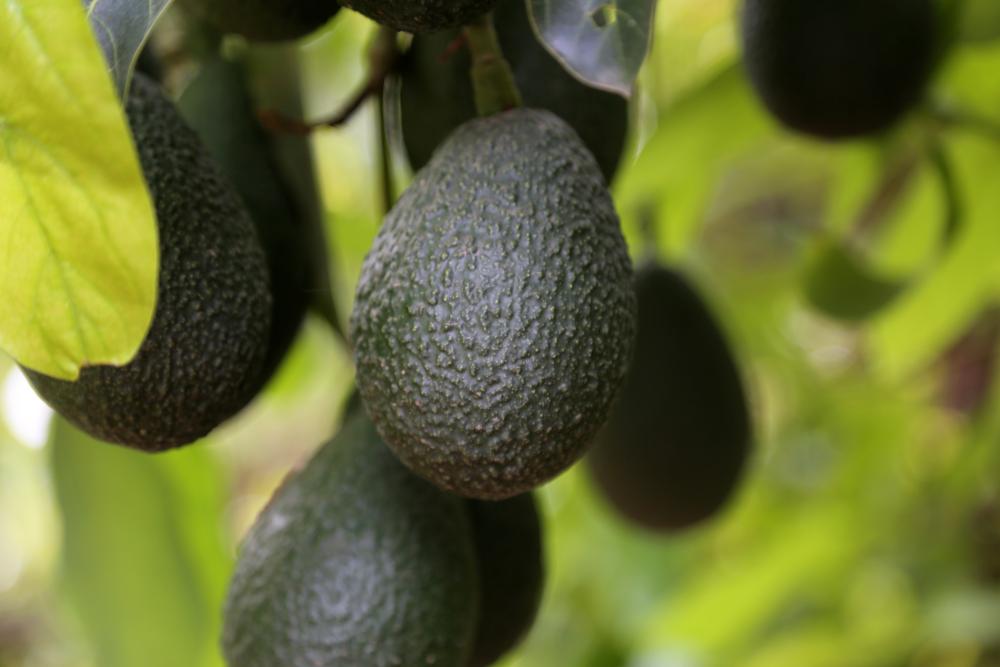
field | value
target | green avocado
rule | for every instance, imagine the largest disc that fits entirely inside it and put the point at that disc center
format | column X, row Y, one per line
column 508, row 538
column 355, row 561
column 217, row 104
column 839, row 68
column 202, row 357
column 677, row 441
column 265, row 20
column 494, row 316
column 421, row 15
column 436, row 92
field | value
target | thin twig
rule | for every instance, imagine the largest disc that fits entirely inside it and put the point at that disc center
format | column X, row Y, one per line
column 384, row 156
column 382, row 58
column 950, row 116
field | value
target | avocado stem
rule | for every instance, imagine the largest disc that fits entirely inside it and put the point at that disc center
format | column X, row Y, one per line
column 492, row 78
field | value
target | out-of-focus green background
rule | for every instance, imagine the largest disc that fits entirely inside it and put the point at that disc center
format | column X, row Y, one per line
column 867, row 532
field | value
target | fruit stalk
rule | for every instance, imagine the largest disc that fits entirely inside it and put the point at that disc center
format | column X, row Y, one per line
column 492, row 79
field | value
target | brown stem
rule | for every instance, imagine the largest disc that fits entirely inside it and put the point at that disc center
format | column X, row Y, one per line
column 382, row 58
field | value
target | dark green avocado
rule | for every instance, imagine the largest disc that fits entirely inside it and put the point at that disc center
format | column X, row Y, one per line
column 265, row 20
column 354, row 562
column 203, row 354
column 421, row 15
column 839, row 68
column 677, row 441
column 436, row 93
column 494, row 316
column 218, row 106
column 508, row 536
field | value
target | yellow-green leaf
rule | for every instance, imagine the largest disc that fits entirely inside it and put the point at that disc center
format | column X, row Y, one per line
column 78, row 244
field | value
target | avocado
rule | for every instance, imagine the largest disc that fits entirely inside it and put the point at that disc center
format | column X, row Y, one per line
column 218, row 106
column 436, row 92
column 418, row 16
column 265, row 20
column 494, row 316
column 355, row 561
column 676, row 443
column 200, row 361
column 839, row 68
column 508, row 538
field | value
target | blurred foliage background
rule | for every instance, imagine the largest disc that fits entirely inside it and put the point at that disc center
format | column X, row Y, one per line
column 867, row 532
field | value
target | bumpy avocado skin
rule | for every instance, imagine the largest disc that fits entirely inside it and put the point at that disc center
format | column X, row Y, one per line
column 203, row 354
column 436, row 93
column 355, row 561
column 677, row 440
column 265, row 20
column 418, row 16
column 508, row 537
column 839, row 68
column 494, row 316
column 218, row 106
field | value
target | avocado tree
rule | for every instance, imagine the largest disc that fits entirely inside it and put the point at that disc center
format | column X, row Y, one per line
column 525, row 332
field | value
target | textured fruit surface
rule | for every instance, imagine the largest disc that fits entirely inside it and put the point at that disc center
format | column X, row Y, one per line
column 355, row 561
column 265, row 20
column 218, row 106
column 201, row 359
column 839, row 68
column 436, row 93
column 508, row 537
column 421, row 15
column 676, row 443
column 495, row 312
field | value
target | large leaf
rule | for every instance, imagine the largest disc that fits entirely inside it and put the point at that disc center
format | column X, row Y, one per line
column 602, row 42
column 122, row 27
column 143, row 563
column 78, row 242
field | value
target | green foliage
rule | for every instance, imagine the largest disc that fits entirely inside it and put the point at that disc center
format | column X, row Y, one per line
column 864, row 531
column 202, row 360
column 143, row 566
column 494, row 315
column 355, row 561
column 77, row 229
column 840, row 285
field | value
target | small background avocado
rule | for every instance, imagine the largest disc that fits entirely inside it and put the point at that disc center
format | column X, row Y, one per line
column 839, row 68
column 217, row 104
column 677, row 440
column 203, row 355
column 495, row 312
column 508, row 537
column 436, row 92
column 355, row 561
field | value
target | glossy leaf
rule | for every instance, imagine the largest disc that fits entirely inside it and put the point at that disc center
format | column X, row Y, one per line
column 601, row 42
column 121, row 28
column 78, row 243
column 143, row 565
